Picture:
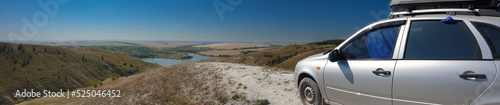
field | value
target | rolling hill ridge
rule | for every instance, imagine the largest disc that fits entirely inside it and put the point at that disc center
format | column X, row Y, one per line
column 42, row 67
column 283, row 57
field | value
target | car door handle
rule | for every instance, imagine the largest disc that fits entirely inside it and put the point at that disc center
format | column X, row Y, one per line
column 471, row 75
column 380, row 71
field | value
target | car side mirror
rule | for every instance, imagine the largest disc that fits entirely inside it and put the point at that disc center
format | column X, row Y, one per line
column 333, row 56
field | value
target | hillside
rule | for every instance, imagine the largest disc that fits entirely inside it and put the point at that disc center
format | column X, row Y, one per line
column 42, row 67
column 283, row 57
column 328, row 42
column 195, row 83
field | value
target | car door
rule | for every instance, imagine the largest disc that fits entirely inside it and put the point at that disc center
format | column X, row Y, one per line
column 362, row 75
column 442, row 63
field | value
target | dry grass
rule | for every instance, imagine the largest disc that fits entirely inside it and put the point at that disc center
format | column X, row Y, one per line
column 179, row 84
column 290, row 63
column 52, row 68
column 284, row 58
column 228, row 52
column 161, row 44
column 232, row 45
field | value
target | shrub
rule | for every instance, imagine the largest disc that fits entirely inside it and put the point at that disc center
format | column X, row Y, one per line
column 267, row 55
column 222, row 99
column 235, row 97
column 20, row 47
column 261, row 102
column 19, row 101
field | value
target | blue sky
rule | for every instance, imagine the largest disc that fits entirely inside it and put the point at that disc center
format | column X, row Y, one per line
column 190, row 20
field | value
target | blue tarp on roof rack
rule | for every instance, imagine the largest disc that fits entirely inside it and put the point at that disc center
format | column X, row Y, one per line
column 449, row 20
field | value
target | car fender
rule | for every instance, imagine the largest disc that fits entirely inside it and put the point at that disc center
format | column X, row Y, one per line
column 309, row 66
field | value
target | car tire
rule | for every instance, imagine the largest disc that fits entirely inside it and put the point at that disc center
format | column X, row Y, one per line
column 309, row 92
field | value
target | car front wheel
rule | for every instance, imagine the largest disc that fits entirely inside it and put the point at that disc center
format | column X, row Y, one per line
column 309, row 92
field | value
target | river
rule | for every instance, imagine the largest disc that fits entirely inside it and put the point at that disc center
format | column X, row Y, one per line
column 167, row 62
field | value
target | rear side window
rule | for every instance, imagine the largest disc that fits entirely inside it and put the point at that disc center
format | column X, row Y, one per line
column 437, row 40
column 377, row 44
column 492, row 35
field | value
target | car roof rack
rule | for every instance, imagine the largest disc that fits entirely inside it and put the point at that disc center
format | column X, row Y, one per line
column 451, row 12
column 408, row 5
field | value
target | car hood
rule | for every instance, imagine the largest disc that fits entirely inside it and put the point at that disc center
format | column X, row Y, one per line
column 316, row 57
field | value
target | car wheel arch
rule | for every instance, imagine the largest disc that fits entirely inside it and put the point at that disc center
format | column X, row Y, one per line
column 304, row 75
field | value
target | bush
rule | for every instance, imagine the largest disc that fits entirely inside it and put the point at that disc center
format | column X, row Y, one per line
column 20, row 47
column 261, row 102
column 222, row 99
column 267, row 55
column 235, row 97
column 19, row 101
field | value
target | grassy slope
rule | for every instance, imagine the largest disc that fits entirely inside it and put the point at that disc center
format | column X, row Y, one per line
column 283, row 57
column 180, row 84
column 54, row 68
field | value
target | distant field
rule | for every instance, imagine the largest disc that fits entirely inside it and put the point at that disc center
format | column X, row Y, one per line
column 152, row 44
column 85, row 43
column 61, row 44
column 162, row 44
column 232, row 45
column 228, row 52
column 282, row 44
column 109, row 44
column 178, row 44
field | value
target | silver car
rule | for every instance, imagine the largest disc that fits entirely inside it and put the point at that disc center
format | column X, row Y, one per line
column 422, row 57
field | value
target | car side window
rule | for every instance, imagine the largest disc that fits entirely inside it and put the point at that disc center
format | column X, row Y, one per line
column 377, row 44
column 491, row 34
column 438, row 40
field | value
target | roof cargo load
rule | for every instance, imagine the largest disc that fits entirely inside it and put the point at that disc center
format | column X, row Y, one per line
column 409, row 5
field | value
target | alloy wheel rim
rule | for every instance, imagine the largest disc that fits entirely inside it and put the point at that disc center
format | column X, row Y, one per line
column 309, row 94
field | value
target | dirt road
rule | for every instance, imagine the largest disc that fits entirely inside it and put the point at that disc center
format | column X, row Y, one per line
column 255, row 82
